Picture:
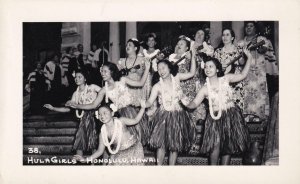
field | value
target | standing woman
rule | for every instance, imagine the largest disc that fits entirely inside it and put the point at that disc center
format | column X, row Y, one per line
column 225, row 131
column 86, row 136
column 117, row 91
column 256, row 93
column 191, row 86
column 226, row 53
column 150, row 52
column 134, row 67
column 172, row 127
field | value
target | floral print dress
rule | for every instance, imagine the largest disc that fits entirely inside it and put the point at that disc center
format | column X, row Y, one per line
column 225, row 57
column 256, row 90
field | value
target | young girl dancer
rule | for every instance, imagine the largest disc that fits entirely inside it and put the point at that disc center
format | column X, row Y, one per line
column 225, row 129
column 172, row 129
column 86, row 136
column 127, row 150
column 118, row 92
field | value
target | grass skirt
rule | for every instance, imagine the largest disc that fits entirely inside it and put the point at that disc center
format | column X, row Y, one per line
column 142, row 129
column 230, row 132
column 131, row 155
column 172, row 130
column 86, row 137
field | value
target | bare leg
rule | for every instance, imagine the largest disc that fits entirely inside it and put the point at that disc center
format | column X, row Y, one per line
column 226, row 160
column 173, row 157
column 160, row 154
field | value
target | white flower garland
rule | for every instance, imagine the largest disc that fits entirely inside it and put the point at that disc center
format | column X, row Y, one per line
column 79, row 115
column 210, row 101
column 77, row 97
column 168, row 108
column 117, row 131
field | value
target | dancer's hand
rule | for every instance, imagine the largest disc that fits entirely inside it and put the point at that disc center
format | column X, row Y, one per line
column 49, row 106
column 79, row 158
column 71, row 104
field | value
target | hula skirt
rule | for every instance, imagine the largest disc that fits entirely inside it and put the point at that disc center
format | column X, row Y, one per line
column 172, row 130
column 230, row 132
column 141, row 129
column 130, row 154
column 86, row 137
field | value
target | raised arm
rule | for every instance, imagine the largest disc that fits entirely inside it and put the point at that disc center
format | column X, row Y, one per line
column 141, row 82
column 244, row 73
column 153, row 96
column 192, row 72
column 138, row 117
column 96, row 103
column 198, row 99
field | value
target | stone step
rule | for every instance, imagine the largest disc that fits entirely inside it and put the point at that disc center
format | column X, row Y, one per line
column 48, row 149
column 55, row 124
column 49, row 131
column 28, row 140
column 50, row 116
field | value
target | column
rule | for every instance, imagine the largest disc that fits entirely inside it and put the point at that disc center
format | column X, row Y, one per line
column 131, row 30
column 238, row 28
column 86, row 36
column 215, row 33
column 114, row 42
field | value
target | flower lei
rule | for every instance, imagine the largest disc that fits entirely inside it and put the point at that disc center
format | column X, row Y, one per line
column 210, row 101
column 77, row 97
column 117, row 131
column 171, row 107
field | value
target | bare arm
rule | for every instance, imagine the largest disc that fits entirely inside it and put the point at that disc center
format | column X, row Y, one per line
column 244, row 73
column 90, row 106
column 134, row 121
column 153, row 96
column 198, row 99
column 141, row 82
column 192, row 72
column 57, row 109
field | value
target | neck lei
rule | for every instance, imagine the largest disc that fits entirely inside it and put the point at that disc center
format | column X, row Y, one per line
column 150, row 55
column 169, row 94
column 80, row 95
column 211, row 111
column 117, row 132
column 132, row 64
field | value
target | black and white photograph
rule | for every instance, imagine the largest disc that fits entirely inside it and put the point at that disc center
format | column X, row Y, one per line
column 151, row 93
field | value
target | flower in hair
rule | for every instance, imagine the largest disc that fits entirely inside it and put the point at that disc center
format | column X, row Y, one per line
column 113, row 107
column 185, row 38
column 207, row 49
column 134, row 39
